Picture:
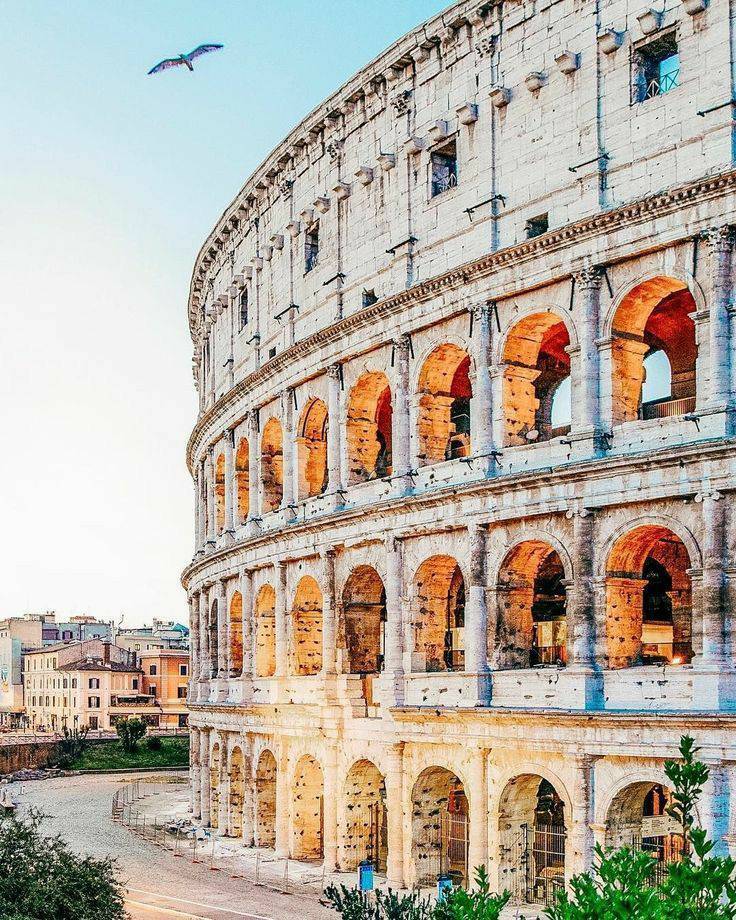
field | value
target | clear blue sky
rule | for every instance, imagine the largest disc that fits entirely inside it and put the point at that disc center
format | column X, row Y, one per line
column 109, row 182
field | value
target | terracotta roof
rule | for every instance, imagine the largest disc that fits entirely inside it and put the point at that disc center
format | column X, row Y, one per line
column 94, row 664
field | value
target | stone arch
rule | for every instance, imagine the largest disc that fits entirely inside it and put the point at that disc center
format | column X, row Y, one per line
column 265, row 631
column 272, row 465
column 648, row 593
column 440, row 826
column 214, row 638
column 236, row 634
column 312, row 449
column 238, row 788
column 215, row 766
column 265, row 785
column 535, row 364
column 363, row 831
column 306, row 628
column 242, row 480
column 444, row 392
column 364, row 616
column 307, row 820
column 627, row 813
column 532, row 606
column 651, row 316
column 369, row 432
column 533, row 815
column 438, row 615
column 220, row 493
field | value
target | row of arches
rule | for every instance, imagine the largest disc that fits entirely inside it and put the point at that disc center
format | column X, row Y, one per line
column 646, row 600
column 532, row 817
column 653, row 374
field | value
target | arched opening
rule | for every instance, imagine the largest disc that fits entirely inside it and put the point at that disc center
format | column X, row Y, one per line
column 439, row 615
column 536, row 377
column 648, row 599
column 266, row 801
column 237, row 792
column 654, row 317
column 215, row 764
column 638, row 819
column 533, row 839
column 236, row 634
column 213, row 640
column 364, row 831
column 220, row 493
column 532, row 623
column 444, row 405
column 306, row 628
column 265, row 632
column 272, row 465
column 242, row 479
column 307, row 809
column 364, row 614
column 440, row 831
column 369, row 428
column 312, row 449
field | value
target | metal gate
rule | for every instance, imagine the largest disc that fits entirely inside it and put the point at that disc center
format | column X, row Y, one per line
column 536, row 864
column 664, row 850
column 377, row 837
column 454, row 846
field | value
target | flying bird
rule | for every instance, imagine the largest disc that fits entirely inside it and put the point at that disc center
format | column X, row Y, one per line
column 183, row 59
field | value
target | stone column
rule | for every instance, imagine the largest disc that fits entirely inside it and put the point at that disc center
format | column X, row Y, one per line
column 712, row 592
column 198, row 541
column 394, row 628
column 498, row 410
column 478, row 810
column 222, row 628
column 246, row 592
column 329, row 613
column 585, row 388
column 401, row 432
column 195, row 775
column 282, row 621
column 204, row 775
column 334, row 434
column 282, row 803
column 229, row 452
column 194, row 660
column 600, row 599
column 720, row 245
column 204, row 644
column 223, row 821
column 715, row 804
column 581, row 839
column 476, row 618
column 290, row 469
column 329, row 809
column 481, row 403
column 210, row 486
column 254, row 474
column 581, row 619
column 395, row 819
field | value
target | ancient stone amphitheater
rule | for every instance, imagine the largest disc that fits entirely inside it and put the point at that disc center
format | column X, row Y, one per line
column 464, row 463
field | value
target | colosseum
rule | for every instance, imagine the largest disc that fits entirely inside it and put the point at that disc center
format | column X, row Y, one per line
column 464, row 462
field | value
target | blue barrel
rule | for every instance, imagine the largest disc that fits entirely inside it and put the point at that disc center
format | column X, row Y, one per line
column 365, row 876
column 444, row 885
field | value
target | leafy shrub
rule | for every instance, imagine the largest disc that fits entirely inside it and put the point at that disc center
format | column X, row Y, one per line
column 130, row 731
column 153, row 743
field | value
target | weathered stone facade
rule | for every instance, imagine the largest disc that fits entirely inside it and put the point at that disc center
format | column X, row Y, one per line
column 437, row 619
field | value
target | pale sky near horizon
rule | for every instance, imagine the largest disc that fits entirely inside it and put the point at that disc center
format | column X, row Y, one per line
column 110, row 180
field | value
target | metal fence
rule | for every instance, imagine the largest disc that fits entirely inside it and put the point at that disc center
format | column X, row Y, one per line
column 536, row 864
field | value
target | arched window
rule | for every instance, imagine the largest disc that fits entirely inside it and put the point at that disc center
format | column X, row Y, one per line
column 220, row 493
column 369, row 419
column 444, row 405
column 272, row 470
column 312, row 450
column 656, row 386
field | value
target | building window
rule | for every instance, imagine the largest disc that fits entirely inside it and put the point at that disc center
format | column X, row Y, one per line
column 183, row 670
column 152, row 669
column 74, row 683
column 137, row 646
column 94, row 683
column 536, row 226
column 657, row 68
column 444, row 168
column 271, row 352
column 135, row 683
column 311, row 247
column 181, row 693
column 64, row 684
column 243, row 308
column 153, row 689
column 369, row 297
column 93, row 702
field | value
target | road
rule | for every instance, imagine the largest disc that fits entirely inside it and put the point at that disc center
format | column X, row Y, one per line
column 159, row 885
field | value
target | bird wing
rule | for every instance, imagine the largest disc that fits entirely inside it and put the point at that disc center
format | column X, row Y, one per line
column 202, row 49
column 165, row 64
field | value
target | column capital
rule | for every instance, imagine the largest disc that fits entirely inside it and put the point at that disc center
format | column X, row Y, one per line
column 719, row 239
column 334, row 370
column 402, row 343
column 481, row 311
column 589, row 277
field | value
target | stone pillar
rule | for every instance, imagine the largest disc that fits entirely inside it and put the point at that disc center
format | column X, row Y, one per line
column 282, row 621
column 204, row 637
column 720, row 245
column 290, row 469
column 194, row 660
column 229, row 452
column 246, row 592
column 395, row 818
column 223, row 821
column 476, row 618
column 712, row 592
column 586, row 420
column 210, row 486
column 329, row 613
column 394, row 628
column 401, row 432
column 254, row 474
column 223, row 616
column 195, row 774
column 334, row 433
column 579, row 855
column 498, row 410
column 715, row 805
column 329, row 810
column 204, row 775
column 198, row 514
column 600, row 600
column 282, row 804
column 478, row 810
column 481, row 403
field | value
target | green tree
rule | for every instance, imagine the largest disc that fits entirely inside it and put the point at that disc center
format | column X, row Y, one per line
column 40, row 878
column 130, row 731
column 71, row 746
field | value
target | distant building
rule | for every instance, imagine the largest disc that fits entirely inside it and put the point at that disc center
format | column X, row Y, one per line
column 163, row 634
column 17, row 635
column 75, row 629
column 165, row 677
